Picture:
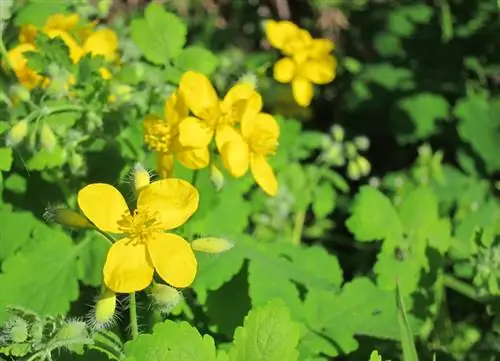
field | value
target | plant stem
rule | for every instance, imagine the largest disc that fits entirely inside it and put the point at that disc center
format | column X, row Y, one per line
column 4, row 53
column 298, row 227
column 195, row 177
column 132, row 306
column 107, row 236
column 461, row 287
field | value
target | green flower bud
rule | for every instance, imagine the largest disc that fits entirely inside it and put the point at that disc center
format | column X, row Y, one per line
column 350, row 150
column 337, row 133
column 216, row 177
column 17, row 133
column 72, row 330
column 353, row 171
column 364, row 165
column 47, row 138
column 104, row 313
column 362, row 143
column 249, row 78
column 141, row 177
column 211, row 245
column 66, row 217
column 165, row 297
column 18, row 330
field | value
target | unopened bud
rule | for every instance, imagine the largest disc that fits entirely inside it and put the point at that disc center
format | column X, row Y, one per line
column 141, row 177
column 353, row 170
column 211, row 245
column 362, row 142
column 364, row 165
column 216, row 177
column 18, row 330
column 249, row 78
column 350, row 150
column 47, row 138
column 66, row 217
column 337, row 133
column 17, row 133
column 72, row 330
column 103, row 315
column 334, row 155
column 18, row 92
column 165, row 297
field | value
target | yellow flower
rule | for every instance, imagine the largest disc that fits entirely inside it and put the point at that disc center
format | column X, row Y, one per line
column 250, row 148
column 102, row 42
column 162, row 136
column 27, row 34
column 61, row 22
column 161, row 206
column 75, row 50
column 304, row 74
column 26, row 76
column 213, row 116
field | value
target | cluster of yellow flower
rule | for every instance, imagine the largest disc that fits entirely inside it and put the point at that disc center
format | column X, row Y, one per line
column 81, row 38
column 188, row 137
column 307, row 61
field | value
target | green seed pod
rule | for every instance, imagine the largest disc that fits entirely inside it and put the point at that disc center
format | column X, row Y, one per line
column 211, row 245
column 364, row 165
column 47, row 138
column 165, row 297
column 17, row 133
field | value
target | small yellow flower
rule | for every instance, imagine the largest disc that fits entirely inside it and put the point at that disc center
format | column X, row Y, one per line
column 213, row 116
column 26, row 76
column 304, row 74
column 146, row 246
column 75, row 50
column 27, row 34
column 62, row 22
column 250, row 148
column 102, row 42
column 162, row 136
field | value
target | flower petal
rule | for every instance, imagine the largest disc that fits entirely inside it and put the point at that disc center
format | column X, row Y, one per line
column 173, row 259
column 278, row 31
column 164, row 164
column 240, row 100
column 284, row 70
column 320, row 71
column 321, row 47
column 104, row 205
column 200, row 95
column 175, row 109
column 128, row 267
column 225, row 133
column 263, row 127
column 102, row 42
column 192, row 158
column 263, row 174
column 62, row 22
column 173, row 200
column 302, row 91
column 75, row 50
column 236, row 157
column 194, row 132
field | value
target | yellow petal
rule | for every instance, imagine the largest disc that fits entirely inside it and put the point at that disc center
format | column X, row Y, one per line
column 194, row 132
column 62, row 22
column 16, row 56
column 200, row 95
column 277, row 32
column 175, row 109
column 102, row 42
column 236, row 157
column 193, row 158
column 225, row 133
column 302, row 91
column 104, row 205
column 240, row 91
column 27, row 33
column 164, row 164
column 284, row 70
column 173, row 200
column 321, row 47
column 300, row 41
column 321, row 71
column 75, row 50
column 173, row 259
column 263, row 174
column 105, row 73
column 242, row 99
column 127, row 268
column 261, row 133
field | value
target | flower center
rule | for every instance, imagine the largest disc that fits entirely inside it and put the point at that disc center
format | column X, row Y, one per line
column 140, row 225
column 157, row 134
column 263, row 143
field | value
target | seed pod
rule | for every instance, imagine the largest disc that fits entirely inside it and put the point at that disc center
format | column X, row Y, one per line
column 211, row 245
column 17, row 133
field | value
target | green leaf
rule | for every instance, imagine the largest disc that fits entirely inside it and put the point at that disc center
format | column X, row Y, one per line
column 5, row 158
column 324, row 198
column 92, row 258
column 45, row 159
column 37, row 12
column 373, row 216
column 197, row 59
column 15, row 183
column 479, row 126
column 419, row 211
column 171, row 341
column 17, row 228
column 31, row 276
column 160, row 35
column 267, row 334
column 424, row 110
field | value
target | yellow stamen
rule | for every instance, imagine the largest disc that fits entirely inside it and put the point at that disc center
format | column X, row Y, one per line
column 157, row 134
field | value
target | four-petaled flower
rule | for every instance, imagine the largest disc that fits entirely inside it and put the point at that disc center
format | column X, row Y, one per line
column 162, row 136
column 213, row 116
column 146, row 246
column 307, row 62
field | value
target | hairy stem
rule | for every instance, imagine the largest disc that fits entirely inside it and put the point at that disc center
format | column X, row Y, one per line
column 132, row 306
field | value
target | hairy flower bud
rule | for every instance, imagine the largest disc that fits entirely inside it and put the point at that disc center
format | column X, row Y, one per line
column 66, row 217
column 17, row 133
column 72, row 329
column 47, row 138
column 211, row 245
column 353, row 171
column 216, row 177
column 104, row 312
column 18, row 330
column 165, row 297
column 141, row 177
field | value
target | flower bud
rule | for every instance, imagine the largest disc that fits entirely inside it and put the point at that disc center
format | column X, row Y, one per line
column 72, row 330
column 103, row 315
column 364, row 165
column 18, row 92
column 17, row 133
column 67, row 217
column 18, row 330
column 165, row 297
column 362, row 143
column 249, row 78
column 211, row 245
column 353, row 171
column 337, row 133
column 350, row 150
column 216, row 177
column 141, row 177
column 48, row 138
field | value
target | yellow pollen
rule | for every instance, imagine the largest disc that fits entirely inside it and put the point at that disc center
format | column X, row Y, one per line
column 157, row 134
column 140, row 226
